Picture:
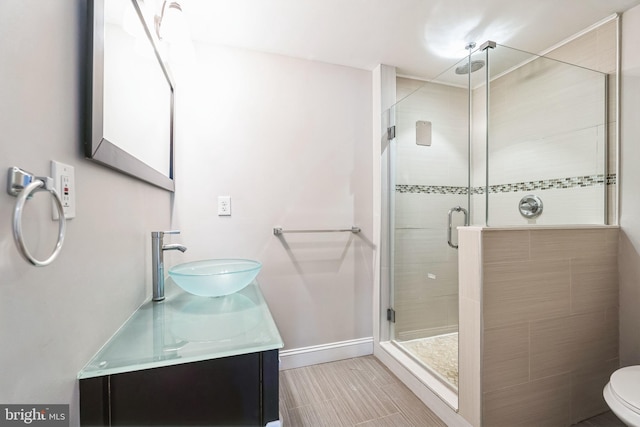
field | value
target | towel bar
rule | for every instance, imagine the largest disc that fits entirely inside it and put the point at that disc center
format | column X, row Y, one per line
column 277, row 231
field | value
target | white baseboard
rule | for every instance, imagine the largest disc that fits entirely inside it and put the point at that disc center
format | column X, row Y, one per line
column 313, row 355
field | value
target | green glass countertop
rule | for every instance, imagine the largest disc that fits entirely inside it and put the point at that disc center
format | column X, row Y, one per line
column 186, row 328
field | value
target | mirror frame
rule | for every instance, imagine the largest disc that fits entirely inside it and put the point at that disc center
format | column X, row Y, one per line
column 96, row 146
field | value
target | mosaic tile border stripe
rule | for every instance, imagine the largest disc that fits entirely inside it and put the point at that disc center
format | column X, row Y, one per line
column 546, row 184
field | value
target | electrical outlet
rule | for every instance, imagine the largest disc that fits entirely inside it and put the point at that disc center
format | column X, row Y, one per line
column 64, row 182
column 224, row 205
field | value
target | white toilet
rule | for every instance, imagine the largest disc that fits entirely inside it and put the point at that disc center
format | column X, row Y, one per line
column 622, row 394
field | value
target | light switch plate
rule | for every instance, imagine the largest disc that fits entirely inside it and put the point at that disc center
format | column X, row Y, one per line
column 224, row 205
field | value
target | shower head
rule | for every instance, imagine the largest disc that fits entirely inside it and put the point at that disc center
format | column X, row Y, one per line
column 475, row 66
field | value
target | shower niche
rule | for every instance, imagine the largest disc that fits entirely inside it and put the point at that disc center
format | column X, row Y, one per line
column 517, row 125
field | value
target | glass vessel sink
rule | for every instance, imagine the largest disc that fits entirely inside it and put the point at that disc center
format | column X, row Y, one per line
column 215, row 277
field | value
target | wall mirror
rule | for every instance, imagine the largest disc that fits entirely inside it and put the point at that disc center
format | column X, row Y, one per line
column 130, row 94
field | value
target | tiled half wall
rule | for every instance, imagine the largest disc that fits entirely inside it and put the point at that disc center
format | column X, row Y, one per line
column 542, row 304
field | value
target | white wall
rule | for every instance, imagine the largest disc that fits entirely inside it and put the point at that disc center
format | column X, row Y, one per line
column 290, row 141
column 53, row 319
column 629, row 257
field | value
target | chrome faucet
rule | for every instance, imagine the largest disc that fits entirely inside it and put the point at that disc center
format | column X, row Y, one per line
column 157, row 260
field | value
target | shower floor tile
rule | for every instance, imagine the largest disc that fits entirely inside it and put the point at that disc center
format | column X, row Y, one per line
column 440, row 353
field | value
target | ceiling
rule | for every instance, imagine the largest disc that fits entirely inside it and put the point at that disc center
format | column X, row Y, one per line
column 420, row 37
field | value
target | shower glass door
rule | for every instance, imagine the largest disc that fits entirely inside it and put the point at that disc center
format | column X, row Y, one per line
column 429, row 183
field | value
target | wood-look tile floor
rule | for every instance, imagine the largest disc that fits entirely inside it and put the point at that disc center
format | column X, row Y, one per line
column 363, row 392
column 354, row 392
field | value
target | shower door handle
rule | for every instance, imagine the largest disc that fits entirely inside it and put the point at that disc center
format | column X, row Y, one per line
column 450, row 227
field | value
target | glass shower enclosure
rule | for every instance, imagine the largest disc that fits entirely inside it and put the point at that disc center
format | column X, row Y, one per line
column 520, row 140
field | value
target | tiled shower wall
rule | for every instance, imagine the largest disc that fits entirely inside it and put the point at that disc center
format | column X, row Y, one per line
column 548, row 124
column 548, row 300
column 596, row 50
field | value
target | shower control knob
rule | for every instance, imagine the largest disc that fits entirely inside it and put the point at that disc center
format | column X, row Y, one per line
column 530, row 206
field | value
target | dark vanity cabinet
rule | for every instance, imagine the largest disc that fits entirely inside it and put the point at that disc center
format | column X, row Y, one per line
column 231, row 391
column 187, row 361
